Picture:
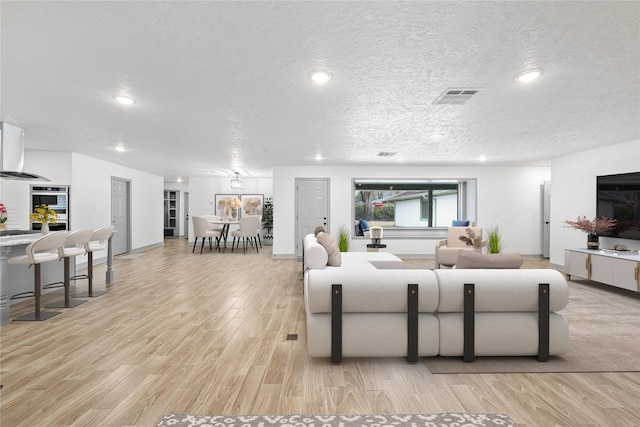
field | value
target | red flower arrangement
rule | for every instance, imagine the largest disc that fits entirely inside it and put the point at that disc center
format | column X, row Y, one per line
column 594, row 226
column 3, row 213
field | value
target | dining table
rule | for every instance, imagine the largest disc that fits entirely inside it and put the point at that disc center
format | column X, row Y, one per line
column 226, row 223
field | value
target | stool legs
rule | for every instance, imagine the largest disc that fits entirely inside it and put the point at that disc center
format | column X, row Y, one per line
column 37, row 291
column 90, row 293
column 68, row 302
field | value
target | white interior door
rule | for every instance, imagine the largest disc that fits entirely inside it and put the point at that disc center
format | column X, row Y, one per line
column 186, row 214
column 312, row 207
column 546, row 218
column 120, row 215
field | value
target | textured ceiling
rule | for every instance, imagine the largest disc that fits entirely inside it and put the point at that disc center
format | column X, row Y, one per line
column 226, row 85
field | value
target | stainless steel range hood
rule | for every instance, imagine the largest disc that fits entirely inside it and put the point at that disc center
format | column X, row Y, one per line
column 12, row 154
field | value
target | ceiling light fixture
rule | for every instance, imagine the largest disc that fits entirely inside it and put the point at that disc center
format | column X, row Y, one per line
column 124, row 100
column 120, row 148
column 236, row 184
column 321, row 77
column 318, row 157
column 483, row 158
column 529, row 75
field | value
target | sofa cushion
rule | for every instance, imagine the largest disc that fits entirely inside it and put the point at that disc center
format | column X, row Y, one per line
column 330, row 245
column 315, row 255
column 473, row 259
column 501, row 290
column 459, row 223
column 372, row 291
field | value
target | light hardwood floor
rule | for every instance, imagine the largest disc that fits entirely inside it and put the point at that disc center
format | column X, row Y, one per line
column 207, row 334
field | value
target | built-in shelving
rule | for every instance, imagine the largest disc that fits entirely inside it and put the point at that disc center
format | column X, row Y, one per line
column 171, row 205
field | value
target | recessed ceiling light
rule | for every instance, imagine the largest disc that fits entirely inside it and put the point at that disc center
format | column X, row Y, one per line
column 321, row 77
column 120, row 148
column 124, row 100
column 318, row 157
column 437, row 136
column 483, row 158
column 529, row 75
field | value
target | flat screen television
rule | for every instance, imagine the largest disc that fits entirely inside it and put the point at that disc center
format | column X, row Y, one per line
column 619, row 198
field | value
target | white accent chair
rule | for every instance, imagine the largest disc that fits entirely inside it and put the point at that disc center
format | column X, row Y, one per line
column 98, row 242
column 201, row 230
column 45, row 249
column 248, row 232
column 447, row 250
column 74, row 245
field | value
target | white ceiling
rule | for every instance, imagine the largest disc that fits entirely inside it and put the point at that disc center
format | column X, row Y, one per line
column 226, row 85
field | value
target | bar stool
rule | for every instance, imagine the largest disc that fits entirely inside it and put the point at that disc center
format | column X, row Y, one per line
column 97, row 242
column 74, row 245
column 45, row 249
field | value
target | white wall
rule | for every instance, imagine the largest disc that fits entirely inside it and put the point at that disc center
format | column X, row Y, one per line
column 202, row 192
column 507, row 196
column 90, row 194
column 573, row 193
column 91, row 199
column 55, row 166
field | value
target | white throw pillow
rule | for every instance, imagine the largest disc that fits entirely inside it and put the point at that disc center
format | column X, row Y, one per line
column 328, row 242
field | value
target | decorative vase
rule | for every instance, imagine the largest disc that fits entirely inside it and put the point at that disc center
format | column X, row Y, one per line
column 593, row 241
column 45, row 227
column 234, row 213
column 3, row 225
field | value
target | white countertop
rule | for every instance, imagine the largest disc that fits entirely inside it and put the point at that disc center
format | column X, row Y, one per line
column 21, row 239
column 632, row 255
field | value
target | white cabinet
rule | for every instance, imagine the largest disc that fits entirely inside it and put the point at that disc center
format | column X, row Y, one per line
column 609, row 267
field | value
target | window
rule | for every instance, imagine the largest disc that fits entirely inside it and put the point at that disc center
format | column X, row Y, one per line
column 410, row 203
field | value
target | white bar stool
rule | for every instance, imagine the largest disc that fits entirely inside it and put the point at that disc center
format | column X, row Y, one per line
column 45, row 249
column 97, row 242
column 74, row 245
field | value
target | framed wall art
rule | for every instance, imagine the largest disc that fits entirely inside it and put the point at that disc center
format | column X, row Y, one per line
column 224, row 206
column 252, row 204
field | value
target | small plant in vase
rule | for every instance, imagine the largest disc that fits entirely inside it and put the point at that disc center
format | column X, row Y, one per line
column 593, row 228
column 44, row 215
column 343, row 239
column 494, row 239
column 471, row 239
column 3, row 216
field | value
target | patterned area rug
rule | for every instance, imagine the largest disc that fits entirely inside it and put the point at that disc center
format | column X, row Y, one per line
column 448, row 419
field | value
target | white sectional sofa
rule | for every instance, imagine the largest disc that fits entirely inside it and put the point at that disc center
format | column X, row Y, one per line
column 371, row 307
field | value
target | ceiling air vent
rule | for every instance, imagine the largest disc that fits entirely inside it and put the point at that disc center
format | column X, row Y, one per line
column 387, row 153
column 456, row 96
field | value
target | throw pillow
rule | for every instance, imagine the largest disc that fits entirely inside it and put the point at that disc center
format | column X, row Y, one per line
column 364, row 225
column 330, row 245
column 458, row 223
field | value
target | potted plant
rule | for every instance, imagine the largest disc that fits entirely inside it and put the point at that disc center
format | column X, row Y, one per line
column 3, row 216
column 494, row 240
column 471, row 239
column 267, row 218
column 343, row 239
column 593, row 228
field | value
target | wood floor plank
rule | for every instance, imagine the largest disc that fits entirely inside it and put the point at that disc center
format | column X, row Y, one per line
column 207, row 334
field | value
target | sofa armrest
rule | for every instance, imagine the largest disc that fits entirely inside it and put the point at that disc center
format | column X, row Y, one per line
column 441, row 243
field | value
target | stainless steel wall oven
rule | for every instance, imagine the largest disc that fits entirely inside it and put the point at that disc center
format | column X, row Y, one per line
column 56, row 198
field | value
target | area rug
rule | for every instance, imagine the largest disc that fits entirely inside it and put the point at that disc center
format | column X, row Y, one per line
column 448, row 419
column 604, row 336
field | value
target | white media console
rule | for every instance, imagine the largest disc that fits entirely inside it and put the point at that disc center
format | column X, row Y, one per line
column 615, row 268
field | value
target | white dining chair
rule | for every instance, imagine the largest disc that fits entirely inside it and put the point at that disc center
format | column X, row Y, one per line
column 201, row 230
column 247, row 231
